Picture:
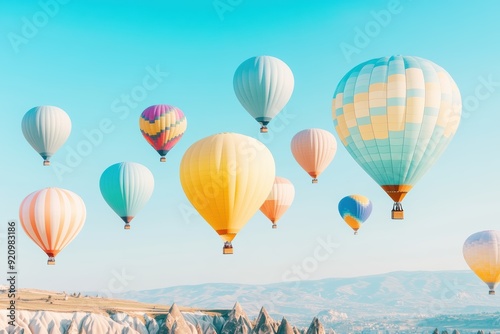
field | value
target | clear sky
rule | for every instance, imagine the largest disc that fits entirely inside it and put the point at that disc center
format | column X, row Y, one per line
column 91, row 59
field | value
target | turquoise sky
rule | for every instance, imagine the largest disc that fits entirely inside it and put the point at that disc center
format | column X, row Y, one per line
column 91, row 59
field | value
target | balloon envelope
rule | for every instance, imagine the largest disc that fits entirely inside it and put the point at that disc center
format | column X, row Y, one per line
column 162, row 126
column 46, row 128
column 481, row 251
column 126, row 187
column 279, row 199
column 314, row 150
column 355, row 210
column 227, row 177
column 52, row 218
column 263, row 85
column 395, row 116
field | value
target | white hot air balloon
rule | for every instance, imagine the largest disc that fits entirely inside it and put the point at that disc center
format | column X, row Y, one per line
column 263, row 85
column 46, row 128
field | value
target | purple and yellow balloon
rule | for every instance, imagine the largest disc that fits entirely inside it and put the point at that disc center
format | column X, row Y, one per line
column 162, row 126
column 355, row 210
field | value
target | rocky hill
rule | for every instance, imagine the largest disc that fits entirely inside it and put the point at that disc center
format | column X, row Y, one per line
column 43, row 312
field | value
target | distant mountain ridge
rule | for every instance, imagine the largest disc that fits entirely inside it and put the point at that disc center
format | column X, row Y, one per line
column 394, row 294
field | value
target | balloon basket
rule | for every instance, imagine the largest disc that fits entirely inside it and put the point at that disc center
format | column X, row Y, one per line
column 127, row 226
column 492, row 292
column 263, row 129
column 227, row 250
column 397, row 211
column 355, row 232
column 51, row 261
column 275, row 226
column 163, row 159
column 46, row 163
column 314, row 180
column 397, row 214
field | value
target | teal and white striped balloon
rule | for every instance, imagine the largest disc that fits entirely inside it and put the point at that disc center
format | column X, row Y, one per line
column 126, row 187
column 395, row 116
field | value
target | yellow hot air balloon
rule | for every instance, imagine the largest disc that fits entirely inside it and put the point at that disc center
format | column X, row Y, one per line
column 52, row 218
column 227, row 177
column 279, row 200
column 482, row 253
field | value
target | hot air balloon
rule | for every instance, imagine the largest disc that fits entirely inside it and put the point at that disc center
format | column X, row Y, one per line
column 52, row 218
column 482, row 253
column 355, row 210
column 162, row 126
column 126, row 187
column 395, row 116
column 263, row 85
column 46, row 128
column 227, row 177
column 314, row 150
column 279, row 200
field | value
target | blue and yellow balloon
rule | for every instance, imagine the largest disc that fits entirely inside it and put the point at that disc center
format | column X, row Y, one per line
column 355, row 210
column 396, row 116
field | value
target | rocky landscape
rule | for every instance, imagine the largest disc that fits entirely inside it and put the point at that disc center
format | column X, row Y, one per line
column 92, row 315
column 175, row 322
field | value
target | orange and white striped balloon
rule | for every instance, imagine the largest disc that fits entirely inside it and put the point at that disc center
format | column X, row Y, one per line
column 279, row 200
column 52, row 217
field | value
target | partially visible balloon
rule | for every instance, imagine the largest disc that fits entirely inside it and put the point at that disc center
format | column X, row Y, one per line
column 279, row 199
column 355, row 210
column 227, row 177
column 126, row 187
column 162, row 126
column 52, row 218
column 46, row 128
column 482, row 253
column 396, row 116
column 263, row 85
column 314, row 150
